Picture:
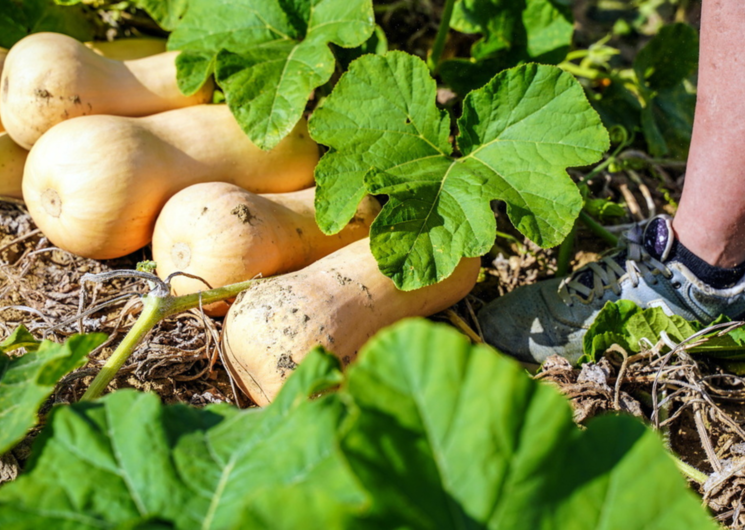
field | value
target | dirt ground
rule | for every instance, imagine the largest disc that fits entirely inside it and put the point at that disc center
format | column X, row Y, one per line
column 697, row 408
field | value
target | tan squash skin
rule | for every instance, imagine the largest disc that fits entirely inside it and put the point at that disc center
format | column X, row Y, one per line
column 12, row 160
column 225, row 235
column 128, row 49
column 3, row 55
column 339, row 301
column 49, row 78
column 95, row 185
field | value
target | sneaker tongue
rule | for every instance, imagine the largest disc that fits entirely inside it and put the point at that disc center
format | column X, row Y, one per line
column 658, row 237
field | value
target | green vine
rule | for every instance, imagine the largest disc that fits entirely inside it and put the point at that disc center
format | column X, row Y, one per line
column 433, row 61
column 157, row 305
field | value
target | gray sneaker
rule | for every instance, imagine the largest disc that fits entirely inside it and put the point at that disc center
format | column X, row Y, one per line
column 552, row 316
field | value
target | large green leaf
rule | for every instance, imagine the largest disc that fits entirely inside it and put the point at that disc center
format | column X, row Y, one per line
column 669, row 58
column 427, row 432
column 13, row 26
column 20, row 338
column 27, row 381
column 498, row 20
column 518, row 135
column 533, row 29
column 661, row 68
column 167, row 13
column 128, row 460
column 633, row 328
column 671, row 112
column 377, row 43
column 34, row 16
column 449, row 435
column 514, row 32
column 267, row 55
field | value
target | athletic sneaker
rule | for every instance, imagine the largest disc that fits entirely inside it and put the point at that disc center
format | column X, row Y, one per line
column 650, row 268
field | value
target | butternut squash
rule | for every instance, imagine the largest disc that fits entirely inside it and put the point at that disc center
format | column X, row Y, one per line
column 95, row 184
column 49, row 78
column 339, row 302
column 224, row 235
column 128, row 49
column 12, row 160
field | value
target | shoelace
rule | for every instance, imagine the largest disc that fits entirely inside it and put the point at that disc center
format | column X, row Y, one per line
column 607, row 271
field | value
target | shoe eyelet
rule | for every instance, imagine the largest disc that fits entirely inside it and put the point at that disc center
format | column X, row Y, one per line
column 676, row 284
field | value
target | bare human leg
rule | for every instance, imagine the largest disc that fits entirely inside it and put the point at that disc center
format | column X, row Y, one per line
column 711, row 219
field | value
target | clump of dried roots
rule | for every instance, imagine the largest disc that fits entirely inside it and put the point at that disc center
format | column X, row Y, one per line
column 692, row 401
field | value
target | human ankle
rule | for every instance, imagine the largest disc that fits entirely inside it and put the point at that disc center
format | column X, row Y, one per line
column 663, row 243
column 715, row 247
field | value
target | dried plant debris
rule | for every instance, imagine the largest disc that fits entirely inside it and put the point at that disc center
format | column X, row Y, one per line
column 41, row 287
column 592, row 389
column 9, row 468
column 696, row 406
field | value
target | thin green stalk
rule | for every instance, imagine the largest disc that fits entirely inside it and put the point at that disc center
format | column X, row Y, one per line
column 579, row 71
column 577, row 54
column 155, row 309
column 607, row 162
column 179, row 304
column 598, row 229
column 689, row 471
column 565, row 253
column 152, row 312
column 442, row 32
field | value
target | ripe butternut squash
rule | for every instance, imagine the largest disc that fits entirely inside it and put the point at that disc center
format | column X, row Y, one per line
column 49, row 78
column 339, row 302
column 224, row 235
column 95, row 184
column 12, row 160
column 128, row 49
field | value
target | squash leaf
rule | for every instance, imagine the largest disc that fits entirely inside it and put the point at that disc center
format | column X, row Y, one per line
column 127, row 459
column 662, row 67
column 267, row 55
column 27, row 381
column 631, row 327
column 427, row 431
column 669, row 58
column 538, row 30
column 167, row 13
column 20, row 338
column 514, row 32
column 18, row 19
column 518, row 135
column 450, row 435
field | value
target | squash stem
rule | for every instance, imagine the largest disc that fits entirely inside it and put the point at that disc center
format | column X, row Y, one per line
column 155, row 309
column 566, row 250
column 689, row 471
column 152, row 312
column 179, row 304
column 442, row 32
column 598, row 229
